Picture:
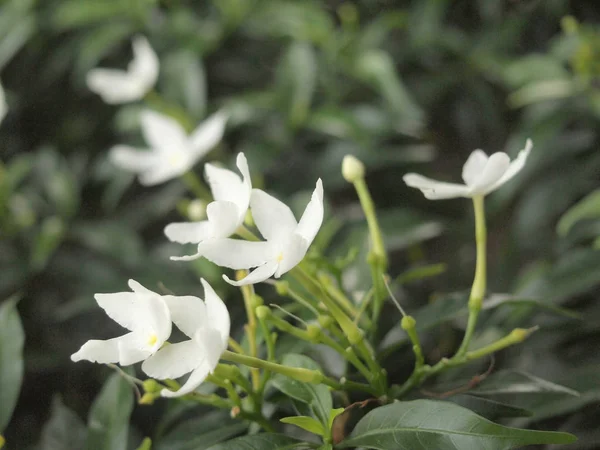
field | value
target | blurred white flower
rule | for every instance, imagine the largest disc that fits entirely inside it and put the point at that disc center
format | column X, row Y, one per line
column 120, row 86
column 481, row 174
column 144, row 313
column 225, row 214
column 287, row 240
column 3, row 105
column 207, row 325
column 172, row 152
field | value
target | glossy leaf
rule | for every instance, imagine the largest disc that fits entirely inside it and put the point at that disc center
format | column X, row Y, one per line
column 306, row 423
column 426, row 424
column 516, row 382
column 11, row 359
column 263, row 441
column 108, row 421
column 489, row 408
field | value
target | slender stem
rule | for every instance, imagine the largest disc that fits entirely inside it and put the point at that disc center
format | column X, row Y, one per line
column 479, row 282
column 303, row 301
column 245, row 233
column 212, row 400
column 250, row 327
column 236, row 346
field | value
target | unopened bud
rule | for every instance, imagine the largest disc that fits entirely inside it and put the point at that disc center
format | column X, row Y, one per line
column 282, row 288
column 147, row 399
column 325, row 321
column 313, row 332
column 196, row 210
column 262, row 312
column 408, row 323
column 151, row 386
column 352, row 169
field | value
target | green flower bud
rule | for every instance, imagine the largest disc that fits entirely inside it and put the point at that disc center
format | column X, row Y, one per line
column 352, row 169
column 151, row 386
column 325, row 321
column 313, row 332
column 282, row 288
column 262, row 312
column 408, row 323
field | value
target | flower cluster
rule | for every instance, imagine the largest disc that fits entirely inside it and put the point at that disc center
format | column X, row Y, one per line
column 148, row 315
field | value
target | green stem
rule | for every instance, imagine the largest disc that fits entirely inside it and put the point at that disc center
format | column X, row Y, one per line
column 250, row 327
column 245, row 233
column 479, row 282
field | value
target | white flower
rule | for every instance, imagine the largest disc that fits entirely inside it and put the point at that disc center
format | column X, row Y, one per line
column 207, row 325
column 120, row 86
column 144, row 313
column 3, row 105
column 225, row 214
column 481, row 174
column 172, row 152
column 287, row 240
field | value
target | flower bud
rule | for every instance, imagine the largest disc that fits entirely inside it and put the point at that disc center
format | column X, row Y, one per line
column 147, row 399
column 257, row 301
column 352, row 169
column 313, row 332
column 408, row 323
column 262, row 312
column 325, row 321
column 196, row 210
column 151, row 386
column 282, row 288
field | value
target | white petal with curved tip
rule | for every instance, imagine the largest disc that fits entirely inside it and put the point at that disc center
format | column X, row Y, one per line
column 293, row 252
column 114, row 86
column 258, row 275
column 210, row 339
column 311, row 220
column 137, row 287
column 514, row 168
column 187, row 312
column 157, row 320
column 125, row 308
column 273, row 218
column 208, row 134
column 236, row 253
column 474, row 166
column 116, row 350
column 496, row 166
column 189, row 232
column 435, row 190
column 225, row 185
column 133, row 351
column 195, row 379
column 224, row 218
column 174, row 360
column 217, row 313
column 162, row 132
column 144, row 66
column 132, row 159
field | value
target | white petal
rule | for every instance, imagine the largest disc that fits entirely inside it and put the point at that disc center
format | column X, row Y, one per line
column 210, row 339
column 218, row 315
column 258, row 275
column 125, row 308
column 273, row 218
column 109, row 351
column 474, row 166
column 311, row 220
column 195, row 379
column 496, row 166
column 189, row 232
column 514, row 168
column 162, row 173
column 226, row 185
column 174, row 360
column 162, row 132
column 138, row 288
column 435, row 190
column 293, row 252
column 224, row 218
column 3, row 105
column 187, row 312
column 208, row 134
column 144, row 66
column 134, row 350
column 114, row 86
column 236, row 253
column 132, row 159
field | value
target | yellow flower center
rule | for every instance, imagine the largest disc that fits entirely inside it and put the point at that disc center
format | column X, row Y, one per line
column 175, row 158
column 280, row 257
column 152, row 339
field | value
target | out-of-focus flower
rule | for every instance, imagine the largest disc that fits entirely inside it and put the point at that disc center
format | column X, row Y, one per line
column 123, row 86
column 481, row 174
column 172, row 152
column 3, row 105
column 207, row 324
column 287, row 241
column 225, row 214
column 144, row 313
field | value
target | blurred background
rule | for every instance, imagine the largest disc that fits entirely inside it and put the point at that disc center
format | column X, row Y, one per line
column 402, row 85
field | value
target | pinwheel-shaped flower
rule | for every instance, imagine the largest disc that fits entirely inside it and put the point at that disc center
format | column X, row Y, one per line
column 3, row 105
column 172, row 152
column 144, row 313
column 225, row 214
column 120, row 86
column 207, row 325
column 287, row 241
column 481, row 174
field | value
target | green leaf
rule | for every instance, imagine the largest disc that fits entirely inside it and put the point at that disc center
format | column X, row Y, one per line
column 262, row 441
column 77, row 13
column 146, row 444
column 334, row 413
column 489, row 408
column 517, row 382
column 108, row 421
column 306, row 423
column 64, row 430
column 11, row 359
column 587, row 208
column 426, row 424
column 202, row 432
column 317, row 397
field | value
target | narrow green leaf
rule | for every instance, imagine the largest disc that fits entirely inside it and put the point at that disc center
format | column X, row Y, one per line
column 426, row 424
column 11, row 359
column 306, row 423
column 317, row 397
column 262, row 441
column 108, row 422
column 146, row 444
column 64, row 430
column 518, row 382
column 489, row 408
column 334, row 413
column 586, row 208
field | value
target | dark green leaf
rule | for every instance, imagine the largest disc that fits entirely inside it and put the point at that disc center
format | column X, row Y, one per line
column 517, row 382
column 426, row 424
column 587, row 208
column 64, row 431
column 108, row 421
column 11, row 359
column 264, row 441
column 489, row 408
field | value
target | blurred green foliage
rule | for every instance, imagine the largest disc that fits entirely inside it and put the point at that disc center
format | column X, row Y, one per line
column 396, row 83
